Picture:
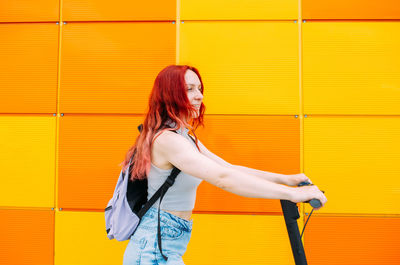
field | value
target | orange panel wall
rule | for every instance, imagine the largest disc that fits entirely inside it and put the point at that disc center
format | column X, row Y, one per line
column 351, row 9
column 91, row 148
column 27, row 237
column 111, row 67
column 119, row 10
column 29, row 11
column 93, row 63
column 263, row 142
column 28, row 68
column 353, row 240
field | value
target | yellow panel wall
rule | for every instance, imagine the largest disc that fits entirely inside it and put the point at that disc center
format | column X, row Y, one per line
column 238, row 239
column 355, row 160
column 351, row 68
column 28, row 68
column 238, row 9
column 256, row 75
column 81, row 239
column 27, row 160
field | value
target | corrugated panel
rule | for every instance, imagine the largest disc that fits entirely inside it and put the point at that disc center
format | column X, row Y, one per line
column 27, row 237
column 91, row 148
column 353, row 240
column 262, row 142
column 238, row 239
column 81, row 239
column 119, row 10
column 27, row 160
column 356, row 161
column 351, row 68
column 251, row 66
column 29, row 11
column 111, row 67
column 238, row 9
column 351, row 9
column 28, row 69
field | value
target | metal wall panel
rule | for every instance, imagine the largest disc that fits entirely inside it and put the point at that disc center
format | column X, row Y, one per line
column 111, row 67
column 351, row 68
column 81, row 239
column 119, row 10
column 350, row 9
column 27, row 237
column 263, row 240
column 268, row 143
column 238, row 239
column 356, row 161
column 29, row 11
column 91, row 149
column 353, row 240
column 251, row 66
column 238, row 9
column 28, row 68
column 27, row 160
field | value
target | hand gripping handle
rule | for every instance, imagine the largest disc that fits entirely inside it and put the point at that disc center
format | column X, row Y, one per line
column 315, row 203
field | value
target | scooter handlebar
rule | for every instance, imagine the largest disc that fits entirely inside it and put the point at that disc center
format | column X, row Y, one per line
column 315, row 203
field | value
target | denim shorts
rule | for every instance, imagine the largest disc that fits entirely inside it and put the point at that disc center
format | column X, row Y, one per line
column 143, row 246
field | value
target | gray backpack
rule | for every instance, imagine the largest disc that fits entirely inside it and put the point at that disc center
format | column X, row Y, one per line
column 129, row 203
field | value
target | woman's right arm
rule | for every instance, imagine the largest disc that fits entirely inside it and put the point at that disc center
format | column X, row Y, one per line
column 183, row 155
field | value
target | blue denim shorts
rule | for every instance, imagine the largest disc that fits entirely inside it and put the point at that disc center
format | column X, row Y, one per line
column 143, row 246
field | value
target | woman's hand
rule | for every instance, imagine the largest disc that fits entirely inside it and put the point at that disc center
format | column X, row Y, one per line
column 294, row 180
column 306, row 193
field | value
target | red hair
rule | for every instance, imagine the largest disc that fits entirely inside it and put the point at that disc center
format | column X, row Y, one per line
column 168, row 103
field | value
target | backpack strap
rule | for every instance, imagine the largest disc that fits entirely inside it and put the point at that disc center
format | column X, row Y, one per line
column 160, row 192
column 168, row 183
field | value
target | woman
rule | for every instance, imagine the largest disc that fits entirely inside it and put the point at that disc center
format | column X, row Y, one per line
column 175, row 108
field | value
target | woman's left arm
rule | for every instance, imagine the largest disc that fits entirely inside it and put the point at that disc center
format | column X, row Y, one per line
column 290, row 180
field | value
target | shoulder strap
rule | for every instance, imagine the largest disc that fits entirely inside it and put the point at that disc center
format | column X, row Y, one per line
column 191, row 138
column 160, row 192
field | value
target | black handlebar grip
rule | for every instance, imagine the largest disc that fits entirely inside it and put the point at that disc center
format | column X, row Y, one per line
column 315, row 203
column 304, row 183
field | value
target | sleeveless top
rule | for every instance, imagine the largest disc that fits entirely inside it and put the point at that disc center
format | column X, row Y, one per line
column 181, row 196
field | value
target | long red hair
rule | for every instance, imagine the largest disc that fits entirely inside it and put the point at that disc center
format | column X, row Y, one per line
column 168, row 104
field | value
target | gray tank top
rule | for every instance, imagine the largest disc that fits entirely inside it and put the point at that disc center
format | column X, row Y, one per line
column 182, row 195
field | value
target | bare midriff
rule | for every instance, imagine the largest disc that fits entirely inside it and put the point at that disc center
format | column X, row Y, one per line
column 187, row 215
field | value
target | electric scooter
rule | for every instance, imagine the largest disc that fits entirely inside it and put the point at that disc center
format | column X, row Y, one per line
column 291, row 214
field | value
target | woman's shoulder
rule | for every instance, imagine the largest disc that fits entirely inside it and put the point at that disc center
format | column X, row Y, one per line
column 160, row 147
column 169, row 143
column 165, row 134
column 167, row 139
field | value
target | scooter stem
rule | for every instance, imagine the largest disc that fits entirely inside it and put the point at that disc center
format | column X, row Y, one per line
column 291, row 214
